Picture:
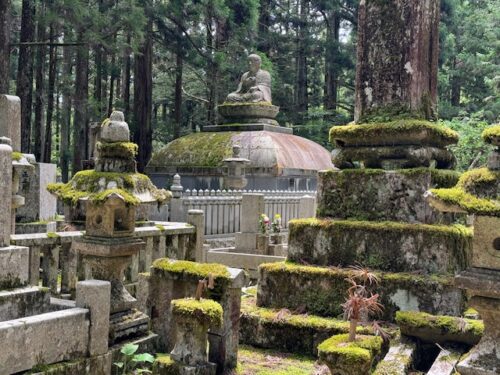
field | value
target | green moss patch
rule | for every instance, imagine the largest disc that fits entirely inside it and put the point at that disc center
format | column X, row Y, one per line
column 191, row 269
column 195, row 150
column 357, row 356
column 16, row 156
column 481, row 182
column 253, row 361
column 117, row 150
column 439, row 328
column 398, row 132
column 492, row 135
column 204, row 311
column 96, row 186
column 164, row 365
column 467, row 202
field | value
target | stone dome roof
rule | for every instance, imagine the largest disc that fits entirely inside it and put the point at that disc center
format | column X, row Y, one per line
column 264, row 149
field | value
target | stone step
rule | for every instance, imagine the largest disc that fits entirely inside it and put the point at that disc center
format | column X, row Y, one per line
column 386, row 245
column 287, row 331
column 398, row 360
column 439, row 328
column 446, row 361
column 23, row 302
column 322, row 290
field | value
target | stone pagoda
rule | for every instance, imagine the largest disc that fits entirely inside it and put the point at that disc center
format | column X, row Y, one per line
column 110, row 194
column 478, row 193
column 277, row 159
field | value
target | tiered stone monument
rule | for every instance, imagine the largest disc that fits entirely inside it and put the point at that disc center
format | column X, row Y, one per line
column 111, row 194
column 277, row 159
column 478, row 193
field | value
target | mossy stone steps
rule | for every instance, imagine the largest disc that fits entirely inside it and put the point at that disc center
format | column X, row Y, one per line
column 287, row 331
column 322, row 290
column 387, row 246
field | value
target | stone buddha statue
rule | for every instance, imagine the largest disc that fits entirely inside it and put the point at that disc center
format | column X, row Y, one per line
column 254, row 86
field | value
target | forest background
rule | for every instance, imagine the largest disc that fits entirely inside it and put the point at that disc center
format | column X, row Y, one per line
column 167, row 64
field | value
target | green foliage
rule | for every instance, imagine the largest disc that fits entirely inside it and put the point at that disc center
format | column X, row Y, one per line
column 131, row 360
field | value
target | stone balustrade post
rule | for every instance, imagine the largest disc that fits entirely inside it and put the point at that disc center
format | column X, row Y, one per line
column 177, row 213
column 307, row 207
column 95, row 295
column 50, row 266
column 252, row 206
column 197, row 219
column 6, row 189
column 69, row 263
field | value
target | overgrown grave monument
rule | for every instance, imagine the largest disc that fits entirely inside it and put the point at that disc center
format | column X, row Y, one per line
column 274, row 158
column 110, row 195
column 372, row 213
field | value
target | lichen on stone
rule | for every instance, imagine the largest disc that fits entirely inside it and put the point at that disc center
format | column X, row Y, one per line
column 16, row 156
column 338, row 351
column 467, row 202
column 205, row 311
column 491, row 134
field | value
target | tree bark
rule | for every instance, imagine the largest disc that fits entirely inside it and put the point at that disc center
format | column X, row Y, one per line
column 143, row 97
column 178, row 93
column 127, row 66
column 332, row 52
column 39, row 123
column 24, row 89
column 263, row 43
column 301, row 95
column 397, row 58
column 66, row 113
column 47, row 149
column 80, row 103
column 5, row 21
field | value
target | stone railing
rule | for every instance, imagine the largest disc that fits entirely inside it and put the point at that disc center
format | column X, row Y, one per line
column 222, row 208
column 52, row 253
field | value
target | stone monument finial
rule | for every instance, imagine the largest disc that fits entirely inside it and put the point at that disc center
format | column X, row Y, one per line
column 115, row 129
column 255, row 85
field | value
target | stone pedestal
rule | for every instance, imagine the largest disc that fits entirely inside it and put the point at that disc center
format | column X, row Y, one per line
column 252, row 206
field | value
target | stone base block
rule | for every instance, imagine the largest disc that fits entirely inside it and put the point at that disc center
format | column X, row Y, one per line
column 128, row 324
column 165, row 365
column 98, row 365
column 22, row 302
column 398, row 360
column 14, row 267
column 386, row 246
column 29, row 228
column 375, row 194
column 246, row 242
column 321, row 291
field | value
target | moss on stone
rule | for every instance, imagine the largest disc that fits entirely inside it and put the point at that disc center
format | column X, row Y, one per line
column 52, row 235
column 365, row 133
column 99, row 198
column 160, row 227
column 481, row 182
column 467, row 202
column 196, row 150
column 117, row 150
column 165, row 365
column 97, row 185
column 447, row 324
column 16, row 156
column 204, row 311
column 492, row 134
column 337, row 351
column 198, row 270
column 394, row 366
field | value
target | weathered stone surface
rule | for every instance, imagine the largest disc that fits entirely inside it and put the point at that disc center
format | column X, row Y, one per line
column 22, row 302
column 43, row 227
column 98, row 365
column 6, row 188
column 445, row 362
column 43, row 339
column 386, row 246
column 95, row 296
column 39, row 205
column 375, row 194
column 486, row 245
column 10, row 119
column 398, row 360
column 14, row 266
column 116, row 129
column 321, row 291
column 494, row 161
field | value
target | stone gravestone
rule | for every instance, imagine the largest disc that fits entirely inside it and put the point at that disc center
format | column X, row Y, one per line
column 10, row 120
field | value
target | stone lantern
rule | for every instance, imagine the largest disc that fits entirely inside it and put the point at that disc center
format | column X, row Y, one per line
column 235, row 178
column 478, row 193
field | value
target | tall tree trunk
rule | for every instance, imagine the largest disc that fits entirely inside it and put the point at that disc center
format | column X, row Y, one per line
column 66, row 110
column 80, row 103
column 455, row 87
column 332, row 21
column 302, row 99
column 143, row 98
column 47, row 150
column 397, row 58
column 98, row 79
column 178, row 94
column 39, row 124
column 211, row 67
column 112, row 78
column 5, row 21
column 263, row 43
column 24, row 87
column 127, row 66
